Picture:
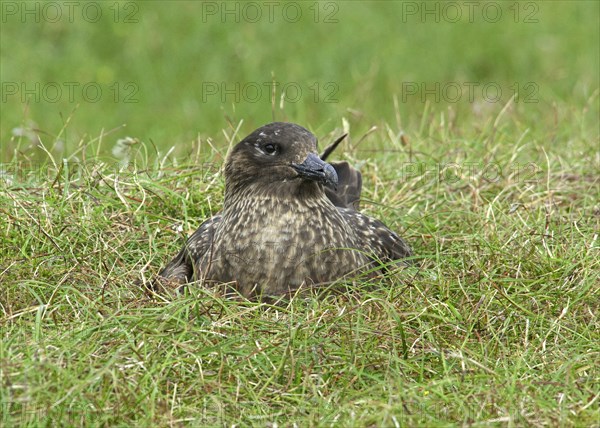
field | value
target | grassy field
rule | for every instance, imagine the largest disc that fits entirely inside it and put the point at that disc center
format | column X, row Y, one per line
column 478, row 140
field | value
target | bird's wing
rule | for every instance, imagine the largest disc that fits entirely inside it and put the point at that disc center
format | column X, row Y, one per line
column 347, row 192
column 330, row 148
column 374, row 237
column 181, row 269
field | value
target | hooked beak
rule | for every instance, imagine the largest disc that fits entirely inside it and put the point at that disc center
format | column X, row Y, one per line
column 313, row 168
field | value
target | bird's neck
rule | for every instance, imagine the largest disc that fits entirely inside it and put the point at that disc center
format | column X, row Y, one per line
column 303, row 192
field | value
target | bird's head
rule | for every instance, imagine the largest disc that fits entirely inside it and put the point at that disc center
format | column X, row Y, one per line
column 278, row 155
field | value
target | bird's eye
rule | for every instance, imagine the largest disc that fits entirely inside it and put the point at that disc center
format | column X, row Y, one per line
column 270, row 149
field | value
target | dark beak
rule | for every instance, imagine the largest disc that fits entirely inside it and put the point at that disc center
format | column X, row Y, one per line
column 313, row 168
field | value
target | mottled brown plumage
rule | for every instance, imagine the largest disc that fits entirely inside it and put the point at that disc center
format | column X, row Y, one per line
column 289, row 219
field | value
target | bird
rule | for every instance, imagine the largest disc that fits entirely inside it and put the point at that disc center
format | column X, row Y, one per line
column 290, row 220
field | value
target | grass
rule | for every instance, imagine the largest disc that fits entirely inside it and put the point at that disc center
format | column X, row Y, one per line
column 496, row 325
column 339, row 69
